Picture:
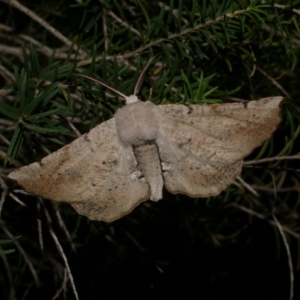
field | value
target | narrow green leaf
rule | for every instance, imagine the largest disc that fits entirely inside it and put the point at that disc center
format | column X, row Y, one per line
column 21, row 82
column 5, row 252
column 187, row 86
column 42, row 115
column 15, row 145
column 57, row 141
column 39, row 129
column 35, row 65
column 8, row 111
column 170, row 12
column 26, row 58
column 42, row 99
column 6, row 241
column 144, row 12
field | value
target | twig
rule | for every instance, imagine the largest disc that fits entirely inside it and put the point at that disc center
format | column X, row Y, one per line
column 274, row 82
column 296, row 11
column 8, row 271
column 271, row 190
column 172, row 36
column 275, row 158
column 124, row 24
column 17, row 199
column 175, row 12
column 274, row 183
column 16, row 51
column 3, row 194
column 40, row 47
column 40, row 232
column 64, row 284
column 105, row 31
column 30, row 265
column 288, row 252
column 262, row 217
column 134, row 241
column 61, row 251
column 7, row 75
column 63, row 226
column 42, row 22
column 59, row 54
column 74, row 129
column 247, row 186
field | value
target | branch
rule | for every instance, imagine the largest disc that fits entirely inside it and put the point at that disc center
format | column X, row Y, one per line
column 288, row 252
column 171, row 37
column 296, row 11
column 275, row 158
column 274, row 82
column 23, row 253
column 42, row 22
column 262, row 217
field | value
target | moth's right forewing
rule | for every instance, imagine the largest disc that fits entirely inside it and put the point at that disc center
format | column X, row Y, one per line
column 93, row 173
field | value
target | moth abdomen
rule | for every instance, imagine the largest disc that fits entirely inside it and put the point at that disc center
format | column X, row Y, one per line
column 149, row 164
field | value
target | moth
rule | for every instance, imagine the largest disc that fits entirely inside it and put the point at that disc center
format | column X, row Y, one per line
column 196, row 150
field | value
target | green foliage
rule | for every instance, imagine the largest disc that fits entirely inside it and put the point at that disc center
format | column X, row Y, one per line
column 208, row 52
column 4, row 242
column 36, row 103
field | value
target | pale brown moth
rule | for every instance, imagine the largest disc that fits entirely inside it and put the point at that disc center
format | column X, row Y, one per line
column 196, row 150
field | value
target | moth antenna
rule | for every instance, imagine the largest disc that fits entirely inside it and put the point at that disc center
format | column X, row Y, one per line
column 105, row 85
column 142, row 76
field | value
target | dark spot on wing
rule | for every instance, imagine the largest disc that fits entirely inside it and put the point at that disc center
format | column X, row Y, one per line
column 190, row 108
column 65, row 149
column 140, row 176
column 86, row 139
column 245, row 104
column 180, row 145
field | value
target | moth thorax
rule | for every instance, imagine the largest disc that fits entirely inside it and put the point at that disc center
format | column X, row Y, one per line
column 136, row 123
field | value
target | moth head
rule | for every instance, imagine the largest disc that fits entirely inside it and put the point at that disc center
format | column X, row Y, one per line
column 131, row 99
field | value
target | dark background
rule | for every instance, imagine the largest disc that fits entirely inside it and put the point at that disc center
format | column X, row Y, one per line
column 204, row 248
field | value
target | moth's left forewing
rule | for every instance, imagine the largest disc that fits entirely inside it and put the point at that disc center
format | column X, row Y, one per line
column 221, row 133
column 202, row 146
